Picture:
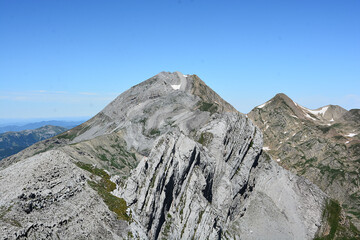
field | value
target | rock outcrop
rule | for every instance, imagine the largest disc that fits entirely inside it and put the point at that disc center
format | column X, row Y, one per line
column 167, row 159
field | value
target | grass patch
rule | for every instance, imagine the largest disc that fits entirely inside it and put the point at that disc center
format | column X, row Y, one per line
column 208, row 107
column 115, row 204
column 90, row 168
column 332, row 215
column 103, row 157
column 45, row 149
column 200, row 217
column 104, row 187
column 67, row 135
column 205, row 138
column 333, row 173
column 154, row 132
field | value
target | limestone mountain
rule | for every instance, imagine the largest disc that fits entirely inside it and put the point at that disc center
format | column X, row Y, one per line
column 14, row 142
column 167, row 159
column 322, row 145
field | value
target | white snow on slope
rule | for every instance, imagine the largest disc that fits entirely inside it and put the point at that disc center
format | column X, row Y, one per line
column 263, row 105
column 351, row 135
column 266, row 148
column 319, row 112
column 176, row 87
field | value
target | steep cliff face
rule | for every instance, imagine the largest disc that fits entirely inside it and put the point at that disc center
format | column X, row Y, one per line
column 321, row 145
column 220, row 186
column 167, row 159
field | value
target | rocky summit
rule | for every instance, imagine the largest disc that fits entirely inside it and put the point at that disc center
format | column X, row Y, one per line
column 322, row 145
column 167, row 159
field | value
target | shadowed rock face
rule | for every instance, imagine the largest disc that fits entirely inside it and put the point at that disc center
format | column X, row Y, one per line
column 180, row 163
column 322, row 145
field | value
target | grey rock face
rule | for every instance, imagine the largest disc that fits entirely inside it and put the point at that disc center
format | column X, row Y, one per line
column 225, row 188
column 187, row 164
column 47, row 197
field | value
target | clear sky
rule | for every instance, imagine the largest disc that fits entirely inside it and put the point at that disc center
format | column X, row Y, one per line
column 62, row 58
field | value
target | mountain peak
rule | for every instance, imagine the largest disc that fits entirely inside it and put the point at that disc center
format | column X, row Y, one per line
column 323, row 114
column 158, row 104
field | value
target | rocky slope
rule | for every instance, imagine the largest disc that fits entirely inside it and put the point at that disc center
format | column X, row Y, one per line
column 167, row 159
column 14, row 142
column 323, row 145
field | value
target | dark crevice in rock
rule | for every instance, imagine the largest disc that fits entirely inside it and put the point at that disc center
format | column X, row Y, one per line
column 247, row 150
column 219, row 233
column 147, row 192
column 242, row 159
column 207, row 191
column 197, row 163
column 151, row 218
column 226, row 141
column 160, row 162
column 231, row 152
column 162, row 180
column 242, row 190
column 169, row 189
column 256, row 162
column 146, row 166
column 186, row 172
column 173, row 149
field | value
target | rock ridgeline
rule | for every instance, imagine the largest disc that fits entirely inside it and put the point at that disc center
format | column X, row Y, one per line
column 167, row 159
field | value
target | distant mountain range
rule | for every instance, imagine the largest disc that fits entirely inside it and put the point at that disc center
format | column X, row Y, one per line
column 14, row 142
column 29, row 126
column 322, row 145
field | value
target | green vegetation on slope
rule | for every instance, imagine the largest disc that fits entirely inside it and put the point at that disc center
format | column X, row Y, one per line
column 104, row 187
column 332, row 216
column 208, row 107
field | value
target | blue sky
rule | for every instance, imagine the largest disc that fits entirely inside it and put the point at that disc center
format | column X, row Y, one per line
column 71, row 58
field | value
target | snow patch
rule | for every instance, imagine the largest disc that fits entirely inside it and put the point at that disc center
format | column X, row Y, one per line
column 294, row 116
column 308, row 116
column 332, row 120
column 278, row 160
column 176, row 87
column 266, row 148
column 351, row 135
column 263, row 105
column 319, row 112
column 347, row 142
